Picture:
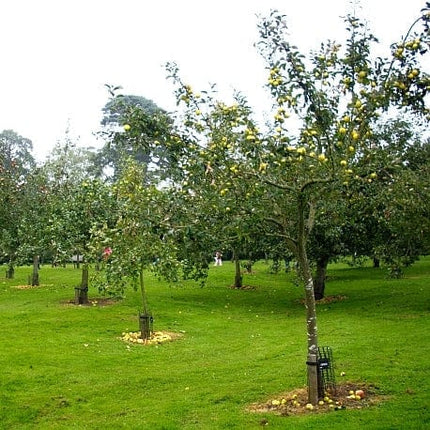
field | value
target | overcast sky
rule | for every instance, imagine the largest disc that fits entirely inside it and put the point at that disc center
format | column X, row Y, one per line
column 57, row 55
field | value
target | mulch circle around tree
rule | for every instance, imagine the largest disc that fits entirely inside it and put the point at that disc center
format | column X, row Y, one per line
column 349, row 395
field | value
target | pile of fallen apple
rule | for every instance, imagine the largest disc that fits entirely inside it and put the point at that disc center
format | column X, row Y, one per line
column 156, row 337
column 332, row 404
column 348, row 395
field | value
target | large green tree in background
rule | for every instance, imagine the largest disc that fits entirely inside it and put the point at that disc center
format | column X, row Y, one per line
column 139, row 143
column 116, row 109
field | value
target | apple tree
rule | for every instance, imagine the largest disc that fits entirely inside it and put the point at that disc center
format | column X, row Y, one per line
column 16, row 163
column 337, row 96
column 390, row 214
column 210, row 131
column 140, row 239
column 359, row 219
column 33, row 222
column 326, row 108
column 74, row 201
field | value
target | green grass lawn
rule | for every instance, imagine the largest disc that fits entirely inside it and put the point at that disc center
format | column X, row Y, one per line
column 65, row 367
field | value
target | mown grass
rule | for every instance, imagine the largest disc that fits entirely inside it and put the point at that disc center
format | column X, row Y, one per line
column 64, row 366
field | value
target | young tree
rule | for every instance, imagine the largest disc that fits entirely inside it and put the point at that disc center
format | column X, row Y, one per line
column 156, row 226
column 141, row 239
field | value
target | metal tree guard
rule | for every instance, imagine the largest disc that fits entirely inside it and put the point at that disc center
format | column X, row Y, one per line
column 326, row 377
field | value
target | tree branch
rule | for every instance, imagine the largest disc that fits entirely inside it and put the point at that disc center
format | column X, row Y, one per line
column 291, row 243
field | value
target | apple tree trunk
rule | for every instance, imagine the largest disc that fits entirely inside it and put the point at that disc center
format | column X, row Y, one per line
column 237, row 274
column 10, row 271
column 35, row 273
column 145, row 319
column 311, row 315
column 81, row 292
column 320, row 278
column 376, row 262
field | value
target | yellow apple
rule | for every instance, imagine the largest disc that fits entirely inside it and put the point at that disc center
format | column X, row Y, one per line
column 399, row 52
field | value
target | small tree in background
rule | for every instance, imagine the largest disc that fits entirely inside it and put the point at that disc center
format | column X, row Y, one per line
column 76, row 201
column 141, row 239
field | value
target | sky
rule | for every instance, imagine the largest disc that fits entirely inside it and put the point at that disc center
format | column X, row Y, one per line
column 57, row 55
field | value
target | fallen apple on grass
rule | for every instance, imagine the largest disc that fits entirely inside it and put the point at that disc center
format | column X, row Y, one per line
column 360, row 393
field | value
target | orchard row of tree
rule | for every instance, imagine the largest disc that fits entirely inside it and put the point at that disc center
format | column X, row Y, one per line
column 340, row 167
